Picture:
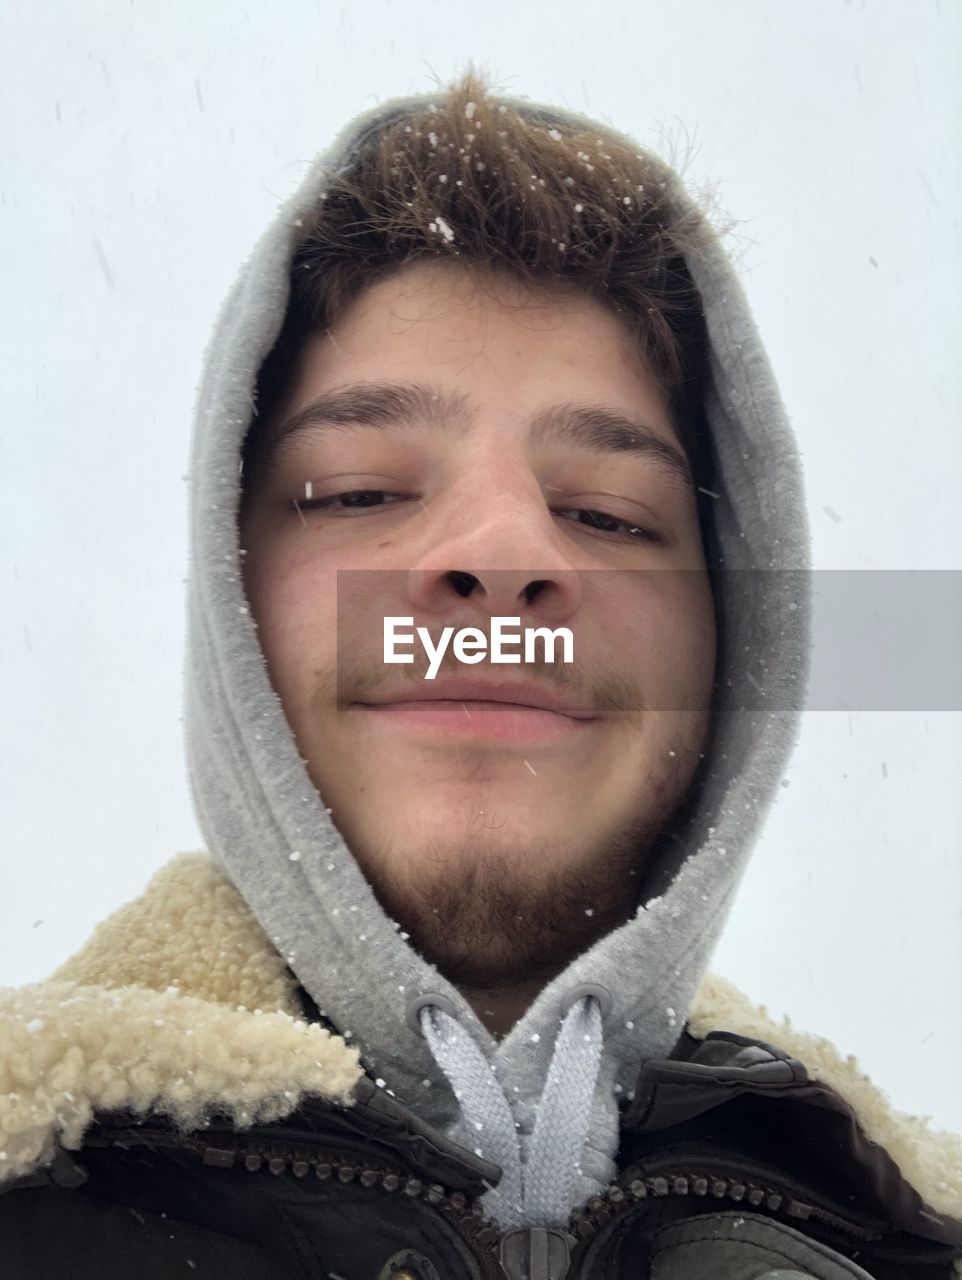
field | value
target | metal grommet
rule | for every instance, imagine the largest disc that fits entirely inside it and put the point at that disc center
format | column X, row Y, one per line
column 601, row 994
column 408, row 1264
column 420, row 1002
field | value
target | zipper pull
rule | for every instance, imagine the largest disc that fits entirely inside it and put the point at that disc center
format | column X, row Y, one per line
column 535, row 1253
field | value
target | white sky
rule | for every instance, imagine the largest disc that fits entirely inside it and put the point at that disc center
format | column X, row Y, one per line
column 147, row 147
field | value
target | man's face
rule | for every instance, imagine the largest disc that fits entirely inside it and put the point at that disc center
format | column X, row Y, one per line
column 502, row 841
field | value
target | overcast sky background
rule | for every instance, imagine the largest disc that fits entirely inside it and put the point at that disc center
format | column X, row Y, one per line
column 146, row 148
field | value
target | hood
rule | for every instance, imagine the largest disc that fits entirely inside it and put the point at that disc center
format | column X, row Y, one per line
column 575, row 1053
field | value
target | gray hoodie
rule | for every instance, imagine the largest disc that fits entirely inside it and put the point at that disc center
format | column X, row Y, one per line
column 543, row 1103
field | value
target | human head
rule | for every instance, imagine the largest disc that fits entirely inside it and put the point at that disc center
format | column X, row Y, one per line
column 501, row 866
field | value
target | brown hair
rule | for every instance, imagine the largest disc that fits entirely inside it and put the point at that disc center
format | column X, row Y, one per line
column 470, row 180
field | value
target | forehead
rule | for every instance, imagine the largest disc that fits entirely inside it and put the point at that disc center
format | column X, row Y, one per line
column 478, row 327
column 429, row 290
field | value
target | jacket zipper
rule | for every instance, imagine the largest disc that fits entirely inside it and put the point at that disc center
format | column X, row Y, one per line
column 677, row 1178
column 670, row 1176
column 466, row 1213
column 479, row 1233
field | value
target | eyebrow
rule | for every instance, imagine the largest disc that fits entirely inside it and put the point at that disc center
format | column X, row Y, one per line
column 594, row 428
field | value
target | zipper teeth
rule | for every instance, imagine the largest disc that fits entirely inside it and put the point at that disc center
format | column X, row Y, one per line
column 464, row 1213
column 600, row 1209
column 302, row 1163
column 584, row 1222
column 467, row 1213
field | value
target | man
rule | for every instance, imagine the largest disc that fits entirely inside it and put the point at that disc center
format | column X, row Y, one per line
column 442, row 971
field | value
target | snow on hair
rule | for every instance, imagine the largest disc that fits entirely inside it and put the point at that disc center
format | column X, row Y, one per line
column 469, row 181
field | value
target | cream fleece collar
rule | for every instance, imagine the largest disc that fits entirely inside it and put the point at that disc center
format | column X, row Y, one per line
column 179, row 1005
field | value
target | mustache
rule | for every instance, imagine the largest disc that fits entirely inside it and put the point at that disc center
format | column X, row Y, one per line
column 356, row 678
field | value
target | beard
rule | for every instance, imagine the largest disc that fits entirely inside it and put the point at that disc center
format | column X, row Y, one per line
column 490, row 913
column 494, row 907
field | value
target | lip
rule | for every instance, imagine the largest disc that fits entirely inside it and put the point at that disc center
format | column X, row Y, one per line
column 512, row 693
column 502, row 722
column 473, row 709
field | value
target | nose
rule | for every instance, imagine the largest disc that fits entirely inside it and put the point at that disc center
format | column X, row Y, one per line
column 499, row 549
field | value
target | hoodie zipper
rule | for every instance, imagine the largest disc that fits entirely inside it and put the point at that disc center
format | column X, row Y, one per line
column 672, row 1175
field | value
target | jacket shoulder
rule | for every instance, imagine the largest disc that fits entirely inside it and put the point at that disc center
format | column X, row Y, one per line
column 802, row 1087
column 178, row 1005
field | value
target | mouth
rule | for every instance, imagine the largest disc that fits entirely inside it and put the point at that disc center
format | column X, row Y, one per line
column 500, row 721
column 473, row 710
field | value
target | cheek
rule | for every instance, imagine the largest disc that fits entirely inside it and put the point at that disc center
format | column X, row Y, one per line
column 691, row 626
column 674, row 640
column 294, row 602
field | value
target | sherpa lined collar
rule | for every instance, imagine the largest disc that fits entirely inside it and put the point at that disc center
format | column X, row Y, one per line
column 178, row 1004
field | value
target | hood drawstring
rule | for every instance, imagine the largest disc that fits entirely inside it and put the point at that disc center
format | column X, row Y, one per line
column 538, row 1191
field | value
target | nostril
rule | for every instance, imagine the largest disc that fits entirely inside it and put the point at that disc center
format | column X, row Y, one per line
column 463, row 583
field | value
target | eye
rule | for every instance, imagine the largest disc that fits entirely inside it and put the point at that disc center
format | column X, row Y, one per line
column 351, row 500
column 603, row 522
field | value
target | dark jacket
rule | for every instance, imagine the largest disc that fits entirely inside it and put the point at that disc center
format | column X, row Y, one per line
column 217, row 1127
